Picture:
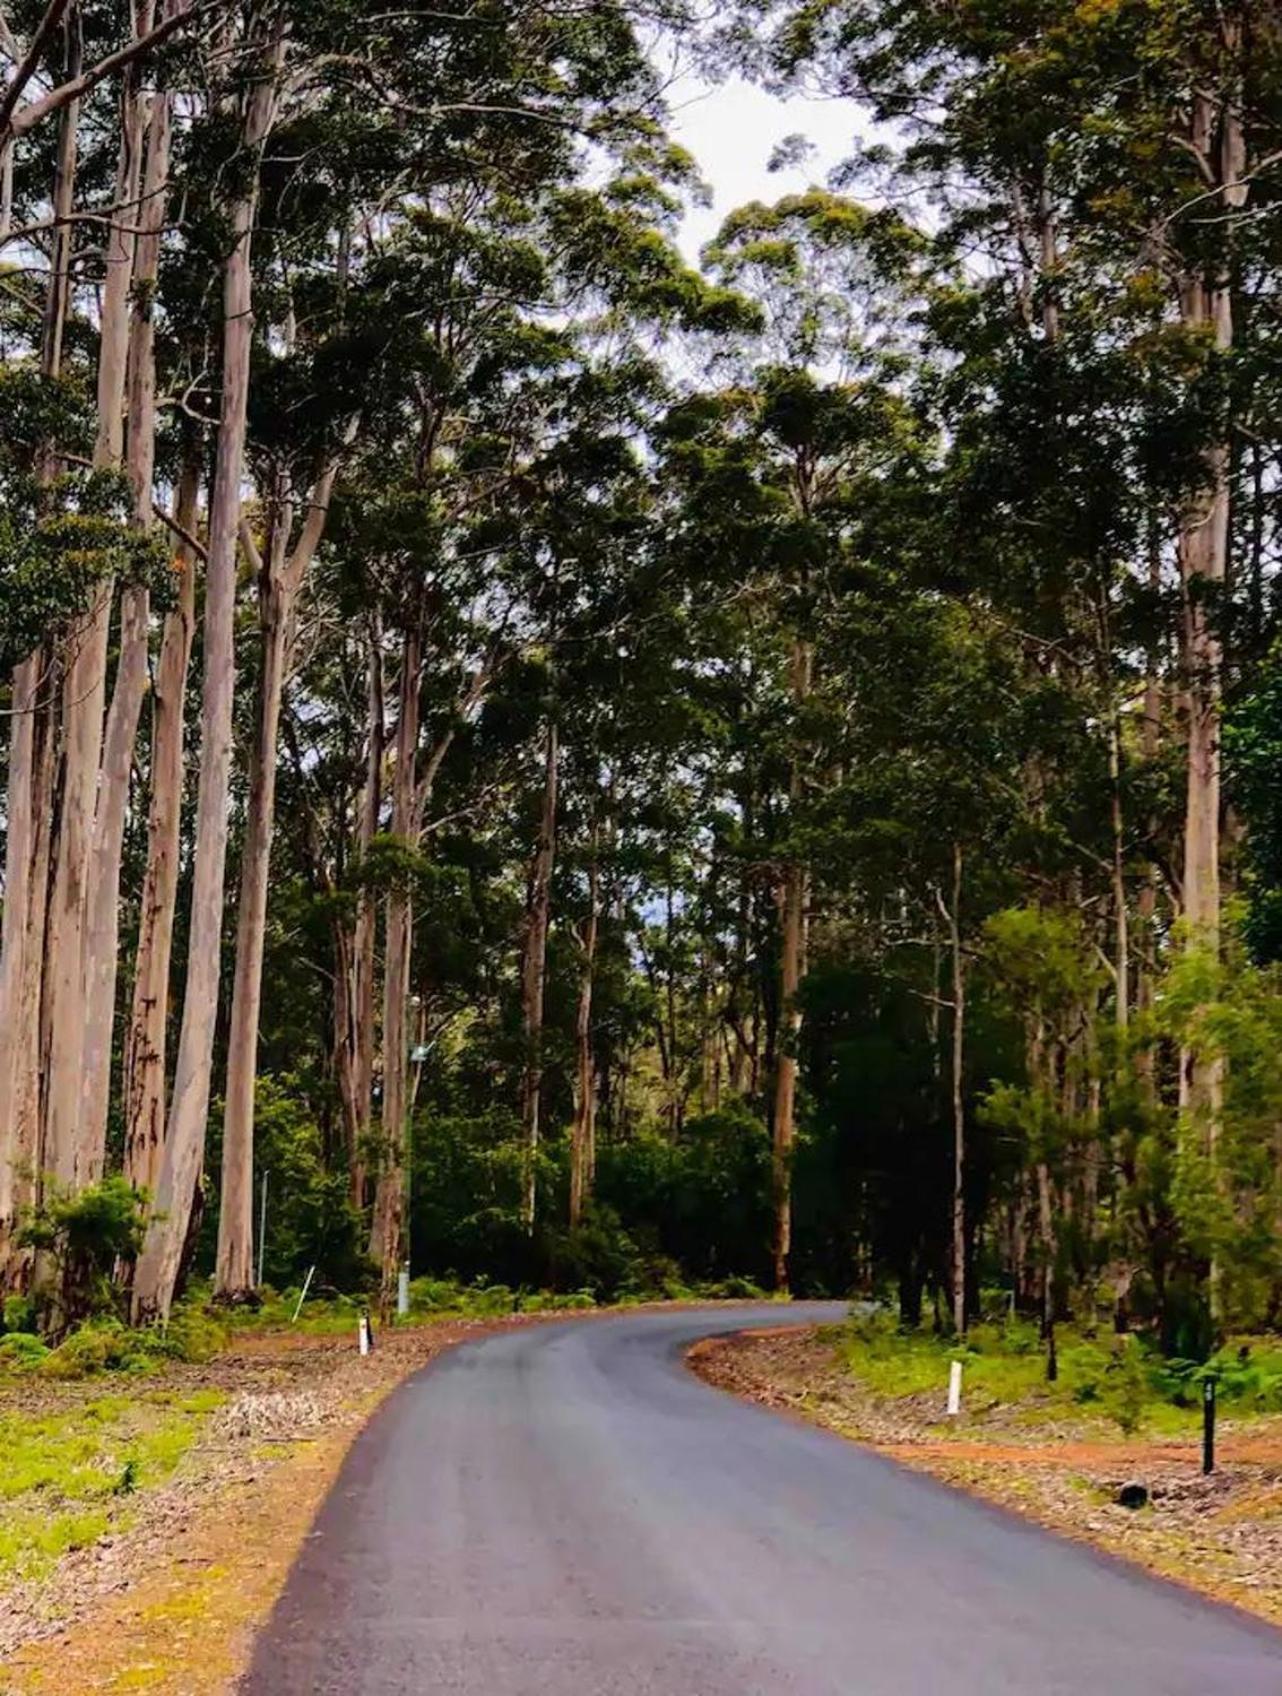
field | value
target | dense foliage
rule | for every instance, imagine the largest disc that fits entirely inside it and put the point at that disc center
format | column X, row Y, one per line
column 764, row 772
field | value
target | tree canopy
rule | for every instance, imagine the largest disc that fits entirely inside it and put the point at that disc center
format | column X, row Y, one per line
column 591, row 768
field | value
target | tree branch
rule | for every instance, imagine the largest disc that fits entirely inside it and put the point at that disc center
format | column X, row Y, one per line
column 180, row 530
column 27, row 69
column 18, row 123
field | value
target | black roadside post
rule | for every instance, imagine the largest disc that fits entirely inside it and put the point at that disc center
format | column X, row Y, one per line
column 1208, row 1423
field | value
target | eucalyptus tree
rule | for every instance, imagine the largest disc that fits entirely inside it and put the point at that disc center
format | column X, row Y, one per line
column 772, row 467
column 67, row 65
column 1118, row 235
column 418, row 79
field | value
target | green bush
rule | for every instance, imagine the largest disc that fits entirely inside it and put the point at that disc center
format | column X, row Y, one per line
column 89, row 1350
column 548, row 1301
column 436, row 1295
column 492, row 1299
column 194, row 1335
column 106, row 1345
column 1127, row 1387
column 22, row 1352
column 1247, row 1376
column 19, row 1314
column 85, row 1235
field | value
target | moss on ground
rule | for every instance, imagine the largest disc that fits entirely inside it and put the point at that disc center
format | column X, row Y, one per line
column 69, row 1476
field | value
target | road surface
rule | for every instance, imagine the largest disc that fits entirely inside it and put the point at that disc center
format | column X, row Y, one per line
column 566, row 1511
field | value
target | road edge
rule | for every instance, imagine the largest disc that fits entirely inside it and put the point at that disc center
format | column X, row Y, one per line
column 987, row 1491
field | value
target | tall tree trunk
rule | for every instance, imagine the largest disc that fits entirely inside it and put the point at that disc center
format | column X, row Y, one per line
column 1046, row 1232
column 18, row 1156
column 74, row 1150
column 1146, row 906
column 280, row 577
column 143, row 1090
column 1121, row 918
column 389, row 1204
column 583, row 1133
column 234, row 1269
column 388, row 1238
column 30, row 796
column 367, row 923
column 102, row 937
column 792, row 970
column 159, row 1264
column 951, row 915
column 1206, row 304
column 534, row 976
column 410, row 796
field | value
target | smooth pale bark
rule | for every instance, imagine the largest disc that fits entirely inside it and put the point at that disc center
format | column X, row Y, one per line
column 159, row 1264
column 354, row 950
column 534, row 977
column 388, row 1238
column 30, row 1039
column 58, row 296
column 792, row 968
column 583, row 1131
column 234, row 1269
column 102, row 935
column 145, row 1038
column 1206, row 306
column 38, row 962
column 741, row 1053
column 30, row 804
column 16, row 1175
column 280, row 577
column 75, row 1149
column 411, row 793
column 367, row 924
column 18, row 120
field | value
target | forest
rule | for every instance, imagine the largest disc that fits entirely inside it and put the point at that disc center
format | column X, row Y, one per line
column 536, row 756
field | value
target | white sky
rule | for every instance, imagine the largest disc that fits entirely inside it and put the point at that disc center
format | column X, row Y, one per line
column 733, row 127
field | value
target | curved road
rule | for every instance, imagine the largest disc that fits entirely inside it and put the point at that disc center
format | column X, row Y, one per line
column 566, row 1511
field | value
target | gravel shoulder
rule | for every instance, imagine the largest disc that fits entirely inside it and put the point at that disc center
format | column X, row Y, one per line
column 1219, row 1535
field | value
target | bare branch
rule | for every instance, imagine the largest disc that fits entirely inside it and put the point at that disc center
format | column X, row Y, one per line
column 18, row 123
column 179, row 530
column 27, row 69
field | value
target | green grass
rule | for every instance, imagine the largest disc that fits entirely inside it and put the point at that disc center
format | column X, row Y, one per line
column 67, row 1475
column 1102, row 1380
column 33, row 1541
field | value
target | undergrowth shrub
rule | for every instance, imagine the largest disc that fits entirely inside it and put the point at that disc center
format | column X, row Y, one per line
column 19, row 1314
column 84, row 1235
column 20, row 1351
column 95, row 1348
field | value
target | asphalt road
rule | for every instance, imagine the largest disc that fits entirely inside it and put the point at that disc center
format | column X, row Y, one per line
column 566, row 1511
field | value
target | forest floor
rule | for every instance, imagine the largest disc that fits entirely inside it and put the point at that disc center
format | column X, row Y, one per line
column 1058, row 1465
column 147, row 1524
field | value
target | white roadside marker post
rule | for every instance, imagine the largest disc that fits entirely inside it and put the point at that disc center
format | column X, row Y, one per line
column 954, row 1389
column 403, row 1291
column 307, row 1284
column 362, row 1333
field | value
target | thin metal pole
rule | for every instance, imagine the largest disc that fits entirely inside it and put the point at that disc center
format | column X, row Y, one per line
column 262, row 1232
column 1208, row 1424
